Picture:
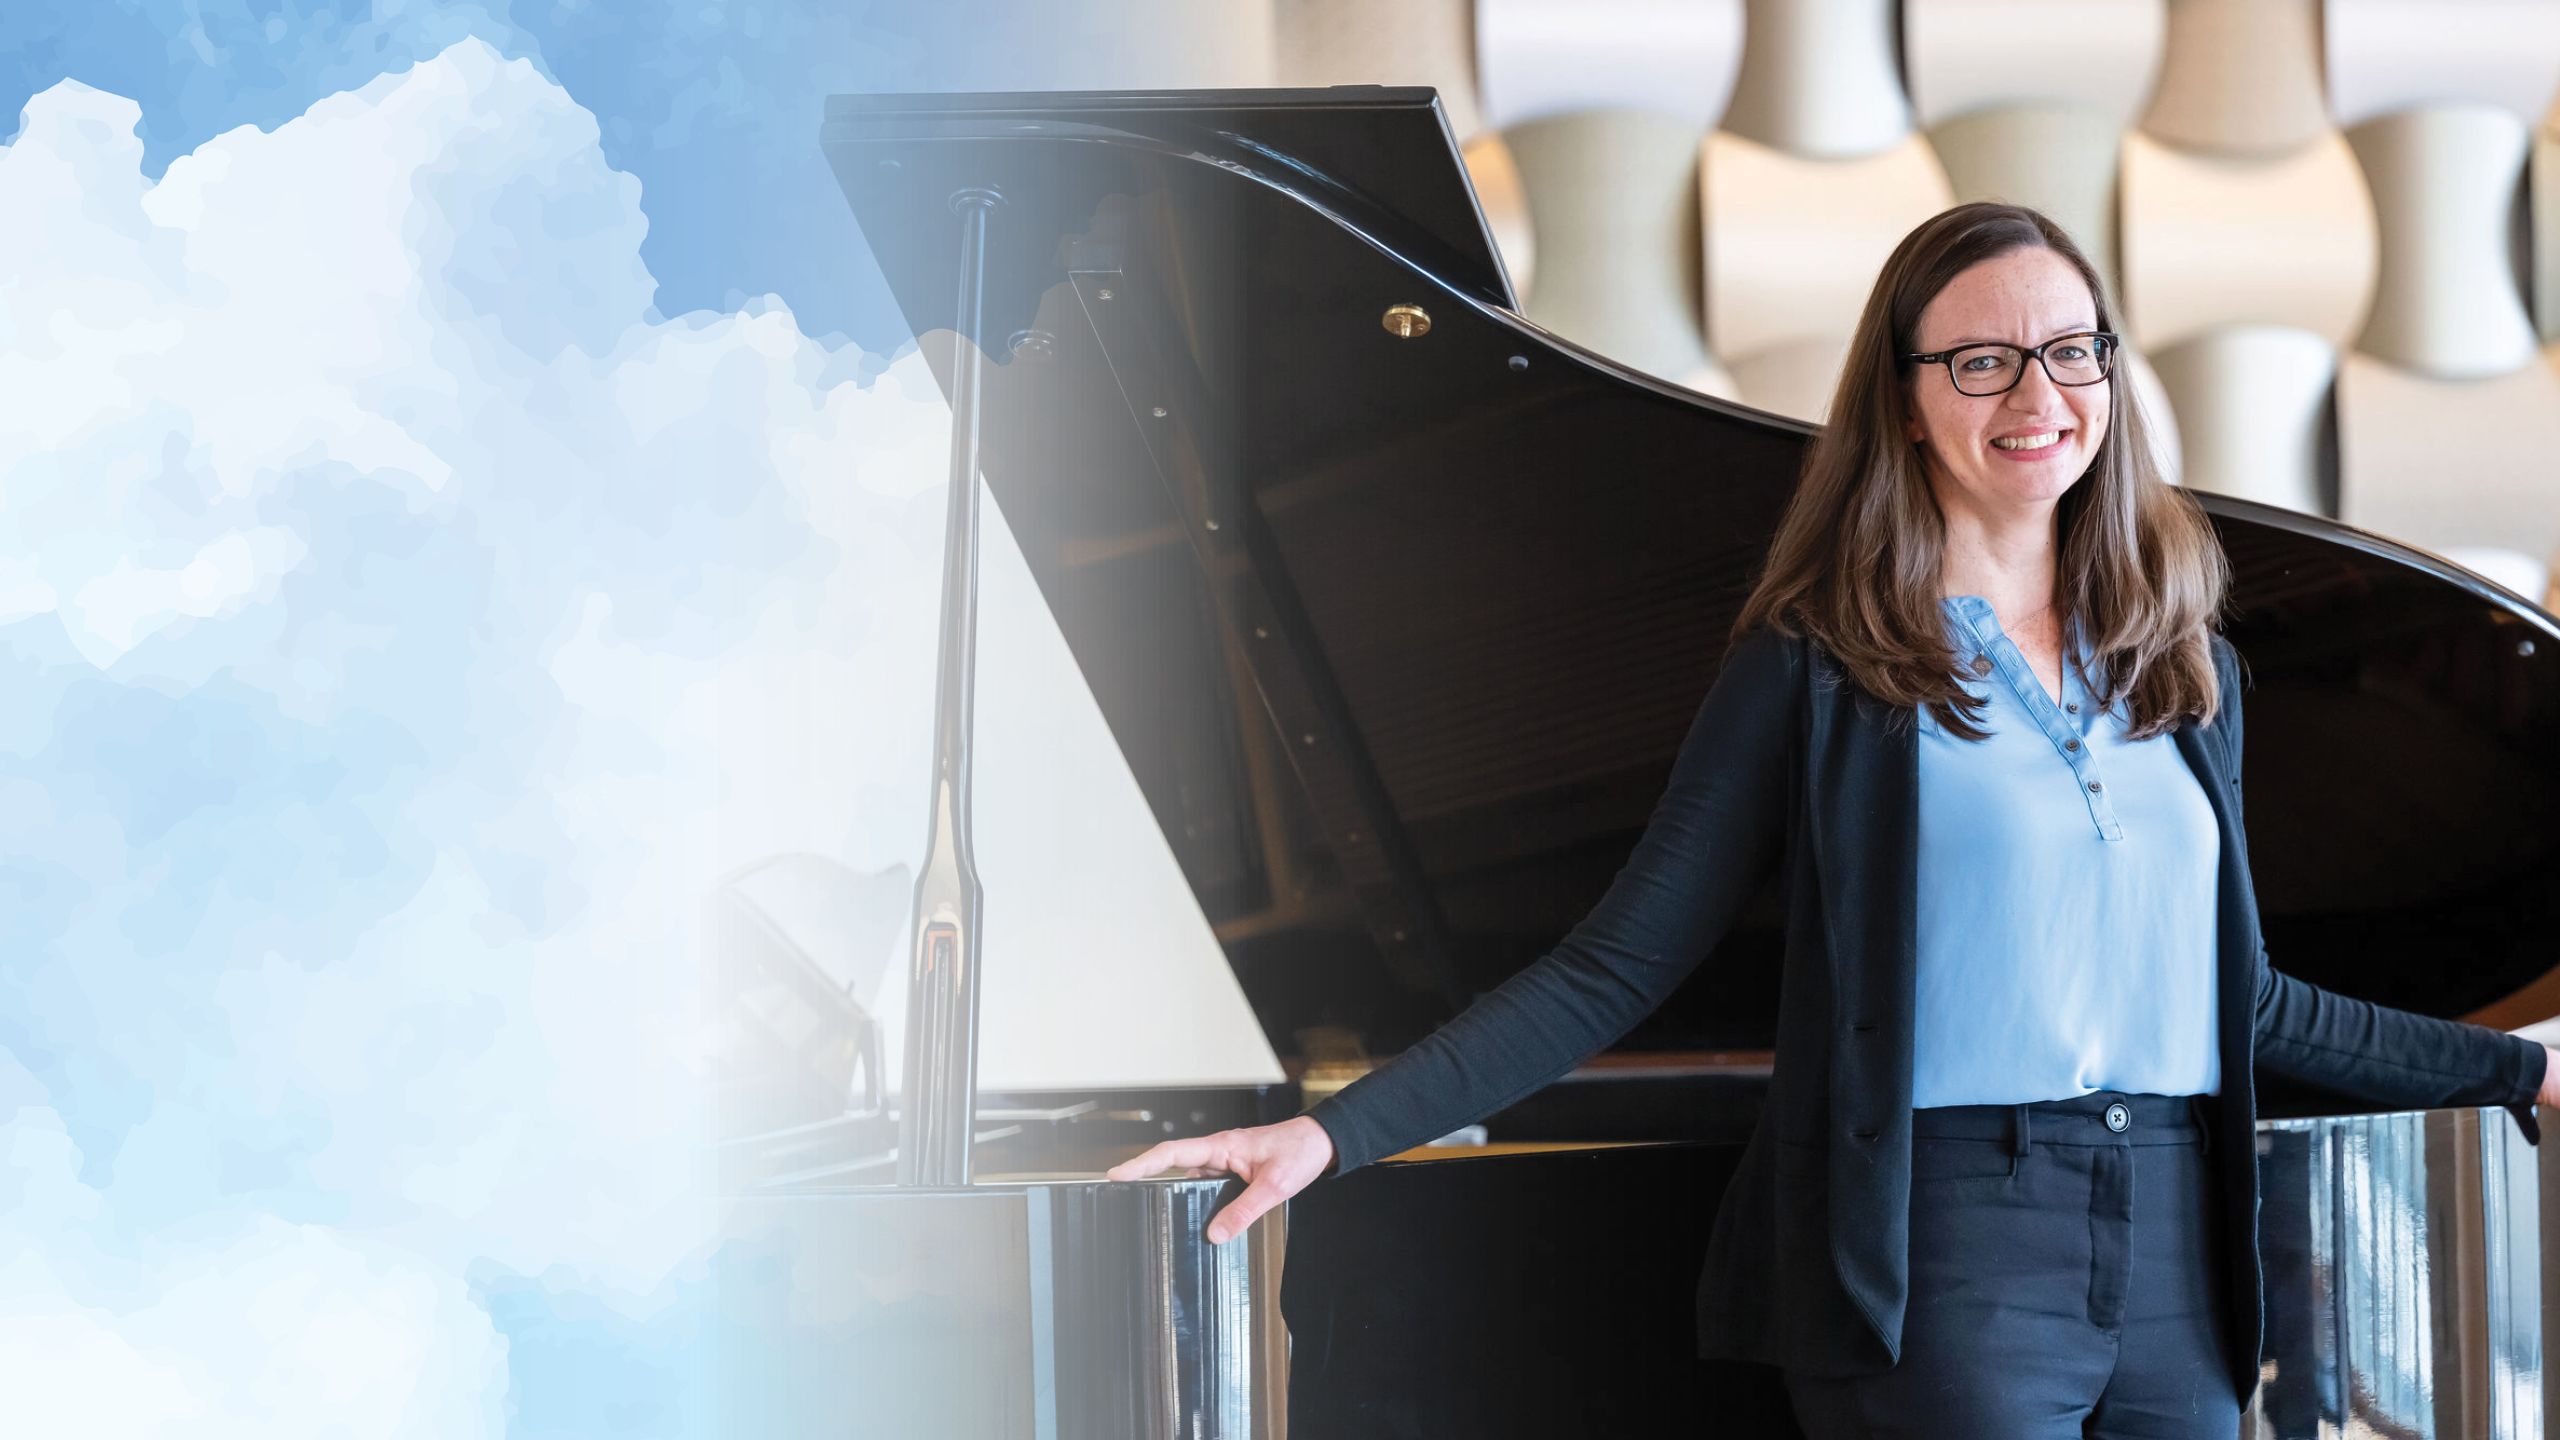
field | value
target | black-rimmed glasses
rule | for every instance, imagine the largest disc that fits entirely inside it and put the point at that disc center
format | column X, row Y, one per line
column 1990, row 369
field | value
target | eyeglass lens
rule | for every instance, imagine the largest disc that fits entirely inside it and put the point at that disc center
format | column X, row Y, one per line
column 1990, row 369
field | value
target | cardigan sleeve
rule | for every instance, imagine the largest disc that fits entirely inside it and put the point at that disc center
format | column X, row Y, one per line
column 1711, row 839
column 2373, row 1052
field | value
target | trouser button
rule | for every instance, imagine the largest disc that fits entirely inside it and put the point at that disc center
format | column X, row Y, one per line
column 2118, row 1118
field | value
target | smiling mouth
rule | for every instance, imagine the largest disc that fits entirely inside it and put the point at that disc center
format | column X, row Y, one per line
column 2030, row 444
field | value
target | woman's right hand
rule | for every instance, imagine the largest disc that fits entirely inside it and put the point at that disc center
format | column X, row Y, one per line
column 1274, row 1161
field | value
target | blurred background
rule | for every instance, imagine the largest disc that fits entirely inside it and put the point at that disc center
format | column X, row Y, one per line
column 2333, row 226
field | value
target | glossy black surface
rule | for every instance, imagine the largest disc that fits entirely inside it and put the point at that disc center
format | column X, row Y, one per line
column 1524, row 1296
column 1399, row 635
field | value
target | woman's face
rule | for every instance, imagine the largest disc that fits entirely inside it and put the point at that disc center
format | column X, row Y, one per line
column 2022, row 298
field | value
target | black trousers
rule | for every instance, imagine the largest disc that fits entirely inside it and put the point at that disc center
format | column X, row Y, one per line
column 2066, row 1282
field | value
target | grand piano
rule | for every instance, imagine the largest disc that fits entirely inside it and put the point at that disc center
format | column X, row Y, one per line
column 1397, row 607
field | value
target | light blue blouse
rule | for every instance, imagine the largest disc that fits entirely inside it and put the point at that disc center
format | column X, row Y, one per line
column 2066, row 895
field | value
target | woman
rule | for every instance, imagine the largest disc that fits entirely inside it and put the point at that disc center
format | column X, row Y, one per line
column 1976, row 714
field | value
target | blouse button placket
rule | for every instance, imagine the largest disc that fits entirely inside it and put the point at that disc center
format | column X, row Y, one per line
column 2058, row 726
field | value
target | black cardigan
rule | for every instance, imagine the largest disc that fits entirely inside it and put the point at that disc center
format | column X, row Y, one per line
column 1790, row 764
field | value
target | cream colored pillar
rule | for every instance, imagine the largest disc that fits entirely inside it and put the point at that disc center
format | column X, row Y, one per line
column 2029, row 101
column 1360, row 42
column 1793, row 247
column 1814, row 179
column 2249, row 248
column 2448, row 415
column 1595, row 112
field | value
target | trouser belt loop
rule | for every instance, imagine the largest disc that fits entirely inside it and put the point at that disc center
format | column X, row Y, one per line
column 2017, row 1136
column 2202, row 1109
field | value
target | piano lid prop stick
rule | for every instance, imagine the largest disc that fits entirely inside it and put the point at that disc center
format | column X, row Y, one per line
column 939, row 1103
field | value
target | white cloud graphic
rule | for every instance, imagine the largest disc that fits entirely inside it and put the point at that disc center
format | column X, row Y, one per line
column 362, row 527
column 401, row 628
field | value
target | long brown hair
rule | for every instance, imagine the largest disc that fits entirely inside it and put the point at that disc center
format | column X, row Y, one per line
column 1855, row 565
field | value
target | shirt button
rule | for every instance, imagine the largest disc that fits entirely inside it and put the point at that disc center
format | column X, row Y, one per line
column 1981, row 664
column 2095, row 787
column 2119, row 1119
column 2070, row 744
column 2073, row 707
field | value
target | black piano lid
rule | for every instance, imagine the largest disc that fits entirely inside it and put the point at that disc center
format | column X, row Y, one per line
column 1399, row 635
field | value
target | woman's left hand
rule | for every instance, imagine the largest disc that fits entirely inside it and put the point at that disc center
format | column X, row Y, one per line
column 2550, row 1078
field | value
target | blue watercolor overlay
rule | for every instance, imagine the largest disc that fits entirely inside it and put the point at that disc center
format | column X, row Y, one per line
column 433, row 548
column 713, row 106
